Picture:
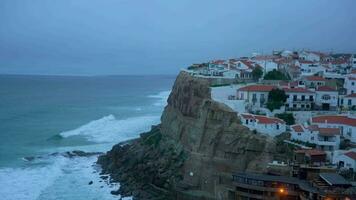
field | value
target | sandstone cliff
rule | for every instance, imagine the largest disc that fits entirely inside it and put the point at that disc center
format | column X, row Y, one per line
column 192, row 153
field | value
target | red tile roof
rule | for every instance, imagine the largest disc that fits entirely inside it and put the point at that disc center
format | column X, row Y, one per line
column 247, row 116
column 335, row 119
column 313, row 127
column 248, row 64
column 311, row 152
column 326, row 88
column 306, row 62
column 353, row 95
column 297, row 128
column 329, row 131
column 315, row 78
column 298, row 90
column 268, row 120
column 258, row 88
column 351, row 154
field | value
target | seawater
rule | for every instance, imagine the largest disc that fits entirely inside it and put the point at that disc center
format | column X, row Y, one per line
column 41, row 116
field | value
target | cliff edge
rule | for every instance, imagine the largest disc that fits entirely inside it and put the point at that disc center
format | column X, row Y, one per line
column 192, row 153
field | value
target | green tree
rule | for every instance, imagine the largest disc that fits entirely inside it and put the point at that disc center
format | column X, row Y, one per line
column 257, row 73
column 287, row 117
column 275, row 75
column 276, row 98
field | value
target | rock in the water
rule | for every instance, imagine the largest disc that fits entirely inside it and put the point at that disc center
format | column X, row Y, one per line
column 90, row 182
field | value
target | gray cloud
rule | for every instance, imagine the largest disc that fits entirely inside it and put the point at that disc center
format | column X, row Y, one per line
column 160, row 37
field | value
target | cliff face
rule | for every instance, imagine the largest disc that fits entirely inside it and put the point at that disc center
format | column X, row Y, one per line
column 197, row 147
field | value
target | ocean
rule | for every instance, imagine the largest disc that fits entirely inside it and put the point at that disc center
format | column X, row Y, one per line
column 41, row 117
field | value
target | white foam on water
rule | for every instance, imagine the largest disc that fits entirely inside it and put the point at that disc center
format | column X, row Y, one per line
column 162, row 98
column 110, row 129
column 61, row 178
column 28, row 183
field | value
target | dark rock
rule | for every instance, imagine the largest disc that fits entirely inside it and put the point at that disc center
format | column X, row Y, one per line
column 90, row 182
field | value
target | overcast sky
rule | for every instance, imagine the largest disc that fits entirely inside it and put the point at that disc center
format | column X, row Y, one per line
column 97, row 37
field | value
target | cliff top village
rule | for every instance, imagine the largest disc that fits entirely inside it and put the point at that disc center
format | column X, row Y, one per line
column 306, row 99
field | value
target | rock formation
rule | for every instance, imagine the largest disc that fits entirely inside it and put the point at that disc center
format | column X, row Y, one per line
column 192, row 153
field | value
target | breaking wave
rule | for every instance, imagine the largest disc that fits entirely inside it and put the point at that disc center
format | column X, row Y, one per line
column 110, row 129
column 162, row 96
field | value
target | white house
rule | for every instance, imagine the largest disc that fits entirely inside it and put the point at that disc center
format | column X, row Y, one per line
column 350, row 83
column 327, row 139
column 347, row 124
column 299, row 98
column 256, row 95
column 267, row 63
column 346, row 160
column 349, row 101
column 313, row 81
column 262, row 124
column 308, row 68
column 310, row 56
column 326, row 98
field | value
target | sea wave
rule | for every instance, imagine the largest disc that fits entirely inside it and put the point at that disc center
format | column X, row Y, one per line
column 56, row 180
column 162, row 98
column 28, row 183
column 110, row 129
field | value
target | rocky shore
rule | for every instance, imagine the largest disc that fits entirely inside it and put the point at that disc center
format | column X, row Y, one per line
column 192, row 153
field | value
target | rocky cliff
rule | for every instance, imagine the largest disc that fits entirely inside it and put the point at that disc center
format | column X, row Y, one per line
column 192, row 153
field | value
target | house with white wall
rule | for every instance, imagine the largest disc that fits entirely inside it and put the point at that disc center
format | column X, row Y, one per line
column 310, row 56
column 350, row 83
column 347, row 124
column 327, row 139
column 346, row 160
column 313, row 81
column 255, row 95
column 309, row 68
column 349, row 101
column 266, row 125
column 326, row 98
column 299, row 98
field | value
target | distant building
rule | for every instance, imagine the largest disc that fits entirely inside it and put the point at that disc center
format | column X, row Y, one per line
column 327, row 139
column 346, row 160
column 313, row 81
column 299, row 99
column 310, row 56
column 256, row 95
column 346, row 124
column 349, row 101
column 350, row 84
column 262, row 124
column 262, row 186
column 326, row 98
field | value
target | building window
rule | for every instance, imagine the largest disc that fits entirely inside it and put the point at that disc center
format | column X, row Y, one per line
column 246, row 121
column 307, row 106
column 326, row 97
column 294, row 105
column 353, row 83
column 349, row 102
column 311, row 98
column 303, row 98
column 342, row 101
column 302, row 105
column 294, row 97
column 299, row 133
column 312, row 138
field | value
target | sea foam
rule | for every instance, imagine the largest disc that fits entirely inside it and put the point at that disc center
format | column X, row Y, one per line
column 110, row 129
column 162, row 98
